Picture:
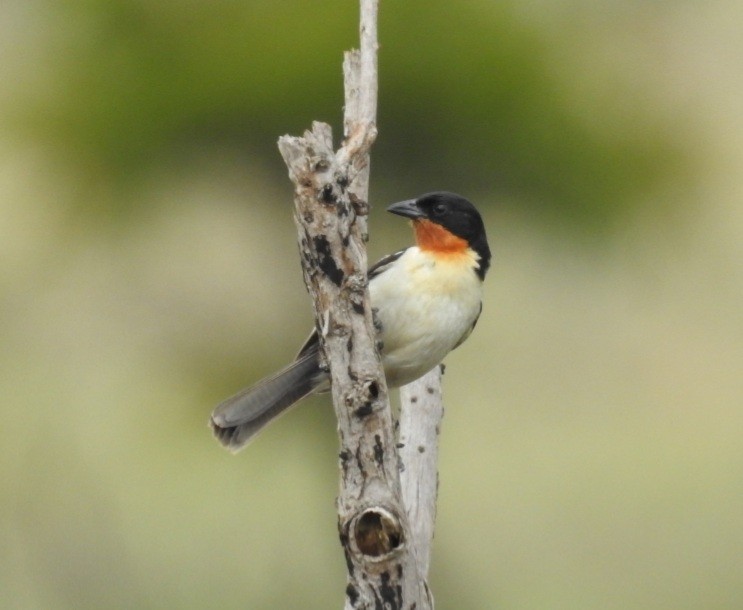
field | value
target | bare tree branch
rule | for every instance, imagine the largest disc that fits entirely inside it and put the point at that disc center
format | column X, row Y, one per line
column 330, row 196
column 420, row 424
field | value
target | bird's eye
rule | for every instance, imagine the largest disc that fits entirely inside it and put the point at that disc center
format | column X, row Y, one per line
column 439, row 209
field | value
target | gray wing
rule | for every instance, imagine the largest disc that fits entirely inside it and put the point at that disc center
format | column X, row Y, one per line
column 383, row 264
column 312, row 342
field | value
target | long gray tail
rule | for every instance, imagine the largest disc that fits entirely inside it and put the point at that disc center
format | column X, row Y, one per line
column 239, row 418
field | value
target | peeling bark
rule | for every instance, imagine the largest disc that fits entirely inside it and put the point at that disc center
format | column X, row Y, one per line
column 331, row 209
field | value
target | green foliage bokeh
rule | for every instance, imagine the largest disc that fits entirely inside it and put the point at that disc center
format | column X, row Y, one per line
column 473, row 97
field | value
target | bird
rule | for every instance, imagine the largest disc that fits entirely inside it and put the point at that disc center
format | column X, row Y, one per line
column 427, row 299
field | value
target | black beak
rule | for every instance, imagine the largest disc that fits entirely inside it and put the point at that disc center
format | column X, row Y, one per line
column 407, row 208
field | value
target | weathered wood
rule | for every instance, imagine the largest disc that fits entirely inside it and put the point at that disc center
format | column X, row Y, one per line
column 330, row 196
column 421, row 413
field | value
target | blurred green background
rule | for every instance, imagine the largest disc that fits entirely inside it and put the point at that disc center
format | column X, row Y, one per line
column 591, row 453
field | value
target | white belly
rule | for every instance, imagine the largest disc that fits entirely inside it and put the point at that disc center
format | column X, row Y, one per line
column 425, row 305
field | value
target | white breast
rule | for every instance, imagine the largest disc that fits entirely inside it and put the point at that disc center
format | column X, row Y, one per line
column 426, row 304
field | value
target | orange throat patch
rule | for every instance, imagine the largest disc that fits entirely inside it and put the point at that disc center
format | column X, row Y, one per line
column 435, row 238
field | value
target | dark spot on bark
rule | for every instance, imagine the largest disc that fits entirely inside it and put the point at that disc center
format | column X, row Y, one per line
column 430, row 390
column 374, row 389
column 358, row 307
column 325, row 259
column 344, row 456
column 378, row 450
column 442, row 366
column 345, row 241
column 421, row 449
column 321, row 166
column 359, row 461
column 342, row 180
column 413, row 399
column 391, row 595
column 349, row 345
column 364, row 410
column 400, row 445
column 327, row 195
column 352, row 594
column 376, row 321
column 309, row 217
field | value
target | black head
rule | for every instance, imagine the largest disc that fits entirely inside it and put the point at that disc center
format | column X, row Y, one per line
column 453, row 212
